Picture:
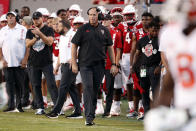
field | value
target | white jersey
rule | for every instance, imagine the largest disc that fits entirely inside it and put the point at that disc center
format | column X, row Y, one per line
column 181, row 54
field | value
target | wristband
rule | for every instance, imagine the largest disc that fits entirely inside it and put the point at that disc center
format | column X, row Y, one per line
column 113, row 64
column 118, row 66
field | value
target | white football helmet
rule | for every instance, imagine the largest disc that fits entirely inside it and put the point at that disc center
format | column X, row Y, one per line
column 116, row 11
column 130, row 9
column 3, row 18
column 53, row 15
column 78, row 19
column 43, row 11
column 74, row 7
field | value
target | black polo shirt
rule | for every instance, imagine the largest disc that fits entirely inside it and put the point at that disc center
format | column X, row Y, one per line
column 93, row 42
column 149, row 49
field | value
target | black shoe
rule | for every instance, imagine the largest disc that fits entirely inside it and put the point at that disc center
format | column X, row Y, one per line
column 52, row 115
column 26, row 104
column 75, row 116
column 33, row 105
column 9, row 110
column 20, row 109
column 106, row 115
column 89, row 123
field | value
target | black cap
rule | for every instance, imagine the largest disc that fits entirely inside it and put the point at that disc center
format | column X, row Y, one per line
column 36, row 15
column 107, row 17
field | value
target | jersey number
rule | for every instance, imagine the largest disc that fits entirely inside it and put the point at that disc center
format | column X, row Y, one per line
column 185, row 61
column 127, row 38
column 114, row 37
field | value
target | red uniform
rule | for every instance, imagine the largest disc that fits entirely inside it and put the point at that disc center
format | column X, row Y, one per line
column 127, row 35
column 117, row 43
column 140, row 34
column 55, row 48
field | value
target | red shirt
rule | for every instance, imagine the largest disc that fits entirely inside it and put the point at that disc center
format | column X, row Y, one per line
column 127, row 35
column 55, row 48
column 117, row 43
column 140, row 34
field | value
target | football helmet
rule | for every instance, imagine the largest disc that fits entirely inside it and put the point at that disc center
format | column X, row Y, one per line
column 130, row 10
column 116, row 11
column 78, row 19
column 43, row 11
column 74, row 11
column 3, row 18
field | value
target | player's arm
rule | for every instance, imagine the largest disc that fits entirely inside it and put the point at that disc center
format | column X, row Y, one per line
column 167, row 91
column 118, row 55
column 133, row 50
column 164, row 60
column 118, row 49
column 136, row 56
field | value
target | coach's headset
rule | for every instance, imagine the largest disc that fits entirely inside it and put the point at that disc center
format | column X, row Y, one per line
column 100, row 14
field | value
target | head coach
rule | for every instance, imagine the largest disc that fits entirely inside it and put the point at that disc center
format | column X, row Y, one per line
column 94, row 40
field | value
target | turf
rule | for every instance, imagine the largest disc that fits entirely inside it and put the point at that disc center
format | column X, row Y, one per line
column 28, row 121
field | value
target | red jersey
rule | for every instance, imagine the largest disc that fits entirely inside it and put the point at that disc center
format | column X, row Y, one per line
column 127, row 36
column 140, row 34
column 55, row 44
column 114, row 27
column 117, row 43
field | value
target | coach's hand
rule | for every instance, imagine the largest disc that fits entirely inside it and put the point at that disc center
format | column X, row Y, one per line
column 24, row 63
column 114, row 70
column 74, row 67
column 56, row 69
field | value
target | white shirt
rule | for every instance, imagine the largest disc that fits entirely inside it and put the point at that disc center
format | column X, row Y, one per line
column 180, row 51
column 12, row 42
column 65, row 46
column 161, row 44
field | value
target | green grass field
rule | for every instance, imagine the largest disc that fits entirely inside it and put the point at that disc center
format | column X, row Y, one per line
column 28, row 121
